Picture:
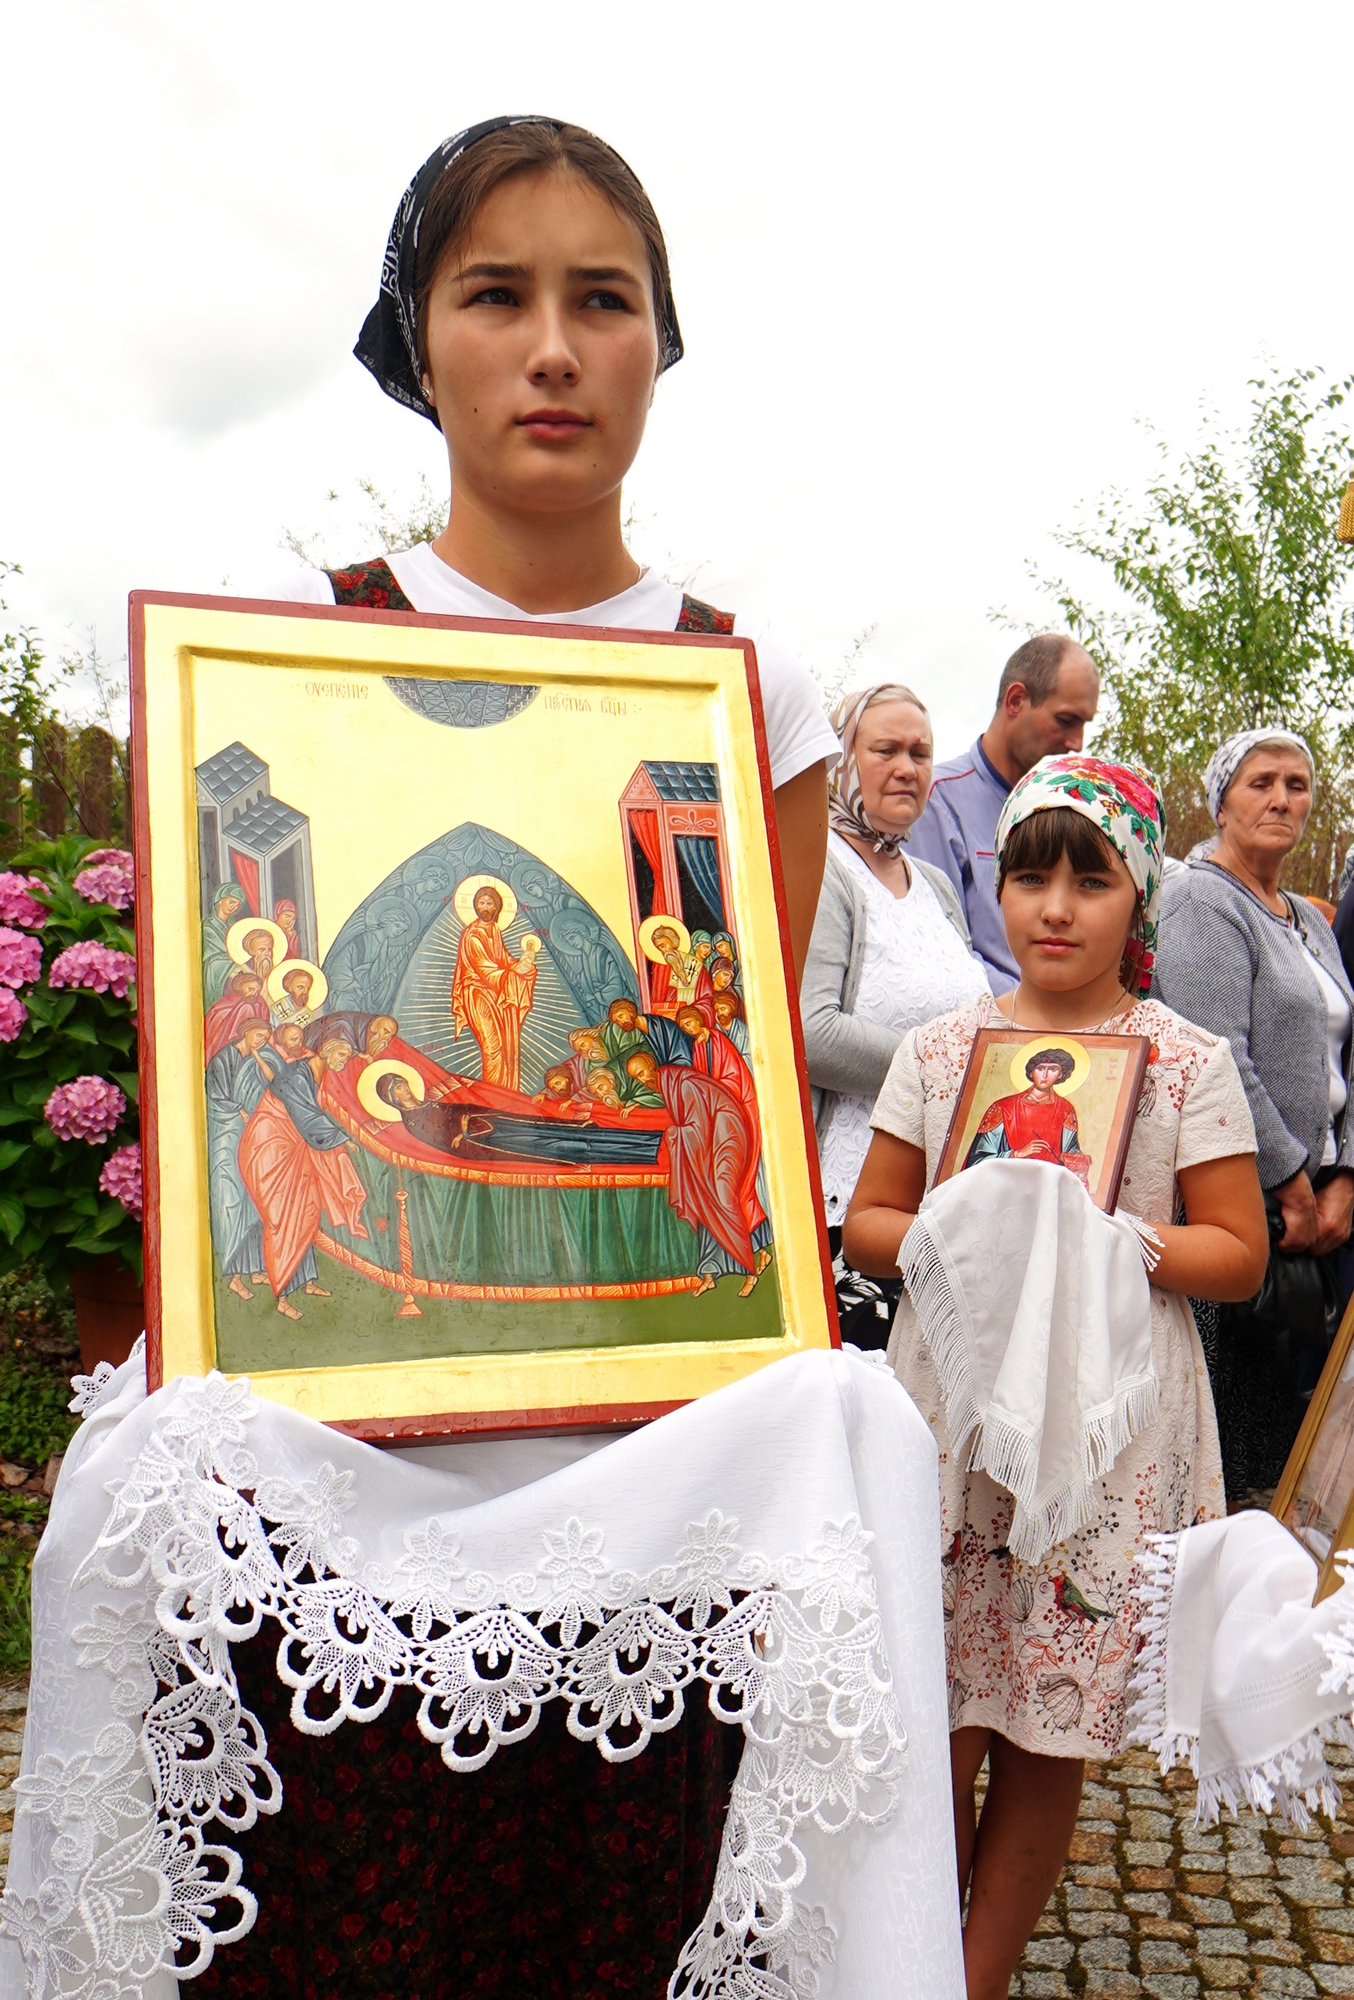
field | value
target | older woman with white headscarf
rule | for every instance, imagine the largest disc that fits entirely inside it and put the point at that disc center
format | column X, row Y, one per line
column 890, row 950
column 1246, row 959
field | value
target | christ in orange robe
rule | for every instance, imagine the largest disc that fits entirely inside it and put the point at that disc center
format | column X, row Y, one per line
column 491, row 993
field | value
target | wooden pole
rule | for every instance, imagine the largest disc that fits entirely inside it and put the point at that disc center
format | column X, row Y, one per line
column 49, row 779
column 94, row 753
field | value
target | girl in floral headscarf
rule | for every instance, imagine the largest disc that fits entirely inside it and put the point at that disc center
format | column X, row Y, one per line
column 1039, row 1651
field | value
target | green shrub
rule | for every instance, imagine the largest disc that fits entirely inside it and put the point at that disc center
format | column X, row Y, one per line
column 37, row 1355
column 16, row 1608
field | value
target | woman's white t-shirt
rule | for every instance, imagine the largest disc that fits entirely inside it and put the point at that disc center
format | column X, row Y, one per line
column 798, row 733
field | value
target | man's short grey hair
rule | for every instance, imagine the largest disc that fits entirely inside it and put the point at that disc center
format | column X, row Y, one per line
column 1034, row 666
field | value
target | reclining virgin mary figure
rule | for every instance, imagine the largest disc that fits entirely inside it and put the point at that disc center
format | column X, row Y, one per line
column 488, row 1135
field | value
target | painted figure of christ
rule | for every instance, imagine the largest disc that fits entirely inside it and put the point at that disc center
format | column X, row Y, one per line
column 491, row 993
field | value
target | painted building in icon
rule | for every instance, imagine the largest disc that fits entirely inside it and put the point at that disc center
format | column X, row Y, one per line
column 675, row 852
column 246, row 835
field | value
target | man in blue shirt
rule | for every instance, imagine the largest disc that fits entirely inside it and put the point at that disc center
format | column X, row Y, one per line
column 1048, row 693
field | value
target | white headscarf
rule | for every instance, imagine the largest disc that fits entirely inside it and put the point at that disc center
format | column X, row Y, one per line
column 845, row 804
column 1228, row 758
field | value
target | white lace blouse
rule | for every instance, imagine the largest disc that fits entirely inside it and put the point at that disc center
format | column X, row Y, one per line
column 915, row 968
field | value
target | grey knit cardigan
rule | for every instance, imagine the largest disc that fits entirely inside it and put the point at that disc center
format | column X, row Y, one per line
column 1230, row 965
column 847, row 1057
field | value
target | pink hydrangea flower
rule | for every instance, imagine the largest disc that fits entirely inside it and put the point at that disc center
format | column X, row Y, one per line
column 17, row 906
column 121, row 1177
column 20, row 959
column 13, row 1014
column 108, row 876
column 87, row 1109
column 96, row 967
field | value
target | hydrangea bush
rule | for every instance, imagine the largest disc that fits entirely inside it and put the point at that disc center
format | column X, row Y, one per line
column 70, row 1161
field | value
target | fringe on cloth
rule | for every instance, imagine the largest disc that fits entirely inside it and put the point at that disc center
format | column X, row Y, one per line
column 1149, row 1242
column 1274, row 1786
column 1007, row 1455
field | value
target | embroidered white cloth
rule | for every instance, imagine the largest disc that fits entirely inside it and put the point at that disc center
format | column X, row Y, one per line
column 1239, row 1676
column 1036, row 1308
column 774, row 1541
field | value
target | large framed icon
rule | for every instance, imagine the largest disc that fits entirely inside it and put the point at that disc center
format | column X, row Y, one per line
column 473, row 1095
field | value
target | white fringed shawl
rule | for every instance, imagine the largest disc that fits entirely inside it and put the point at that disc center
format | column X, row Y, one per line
column 1036, row 1309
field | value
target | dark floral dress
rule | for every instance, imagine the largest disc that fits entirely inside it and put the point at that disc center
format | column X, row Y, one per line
column 548, row 1875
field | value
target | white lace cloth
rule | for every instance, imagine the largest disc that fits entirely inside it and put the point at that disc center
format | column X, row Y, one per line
column 774, row 1542
column 1239, row 1675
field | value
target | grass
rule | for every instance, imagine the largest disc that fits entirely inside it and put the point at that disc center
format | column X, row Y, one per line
column 38, row 1355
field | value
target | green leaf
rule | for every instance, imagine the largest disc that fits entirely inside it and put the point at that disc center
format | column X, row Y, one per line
column 45, row 1197
column 82, row 1031
column 10, row 1151
column 13, row 1114
column 11, row 1215
column 128, row 1082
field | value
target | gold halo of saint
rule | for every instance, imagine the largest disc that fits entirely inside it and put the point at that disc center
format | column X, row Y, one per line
column 244, row 926
column 1080, row 1060
column 530, row 942
column 389, row 1114
column 652, row 924
column 277, row 993
column 463, row 902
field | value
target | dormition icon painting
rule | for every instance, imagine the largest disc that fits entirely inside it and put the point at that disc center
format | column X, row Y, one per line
column 480, row 1095
column 473, row 1093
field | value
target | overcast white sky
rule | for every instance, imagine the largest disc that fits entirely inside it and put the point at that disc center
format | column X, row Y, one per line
column 931, row 264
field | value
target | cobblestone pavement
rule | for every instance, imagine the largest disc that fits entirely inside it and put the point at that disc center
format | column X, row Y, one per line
column 1146, row 1906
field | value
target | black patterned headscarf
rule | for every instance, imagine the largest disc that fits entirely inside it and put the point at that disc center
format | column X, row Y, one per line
column 388, row 342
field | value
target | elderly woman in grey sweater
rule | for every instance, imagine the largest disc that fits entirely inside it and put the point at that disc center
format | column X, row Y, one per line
column 1246, row 959
column 890, row 950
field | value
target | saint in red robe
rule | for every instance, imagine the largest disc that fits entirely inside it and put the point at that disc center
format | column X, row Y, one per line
column 710, row 1161
column 293, row 1182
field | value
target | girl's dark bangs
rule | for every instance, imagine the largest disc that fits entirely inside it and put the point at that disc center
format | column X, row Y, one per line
column 1041, row 841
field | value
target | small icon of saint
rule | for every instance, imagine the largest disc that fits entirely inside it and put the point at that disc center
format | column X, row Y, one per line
column 1034, row 1124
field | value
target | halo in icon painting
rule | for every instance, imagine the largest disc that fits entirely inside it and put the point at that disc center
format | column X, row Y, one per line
column 275, row 986
column 659, row 923
column 1081, row 1062
column 464, row 899
column 371, row 1076
column 243, row 927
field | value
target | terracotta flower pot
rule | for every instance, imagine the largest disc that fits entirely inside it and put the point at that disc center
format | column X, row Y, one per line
column 110, row 1311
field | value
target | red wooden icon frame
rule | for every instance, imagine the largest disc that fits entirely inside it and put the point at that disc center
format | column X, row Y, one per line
column 477, row 1423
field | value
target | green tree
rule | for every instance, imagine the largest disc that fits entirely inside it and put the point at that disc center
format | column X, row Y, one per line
column 57, row 777
column 1233, row 608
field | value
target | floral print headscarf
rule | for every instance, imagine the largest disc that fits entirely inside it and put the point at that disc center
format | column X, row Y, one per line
column 1122, row 800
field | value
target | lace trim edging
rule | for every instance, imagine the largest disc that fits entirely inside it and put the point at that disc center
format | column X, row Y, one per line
column 1295, row 1782
column 204, row 1546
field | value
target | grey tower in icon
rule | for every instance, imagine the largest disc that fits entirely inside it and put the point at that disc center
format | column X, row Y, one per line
column 246, row 835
